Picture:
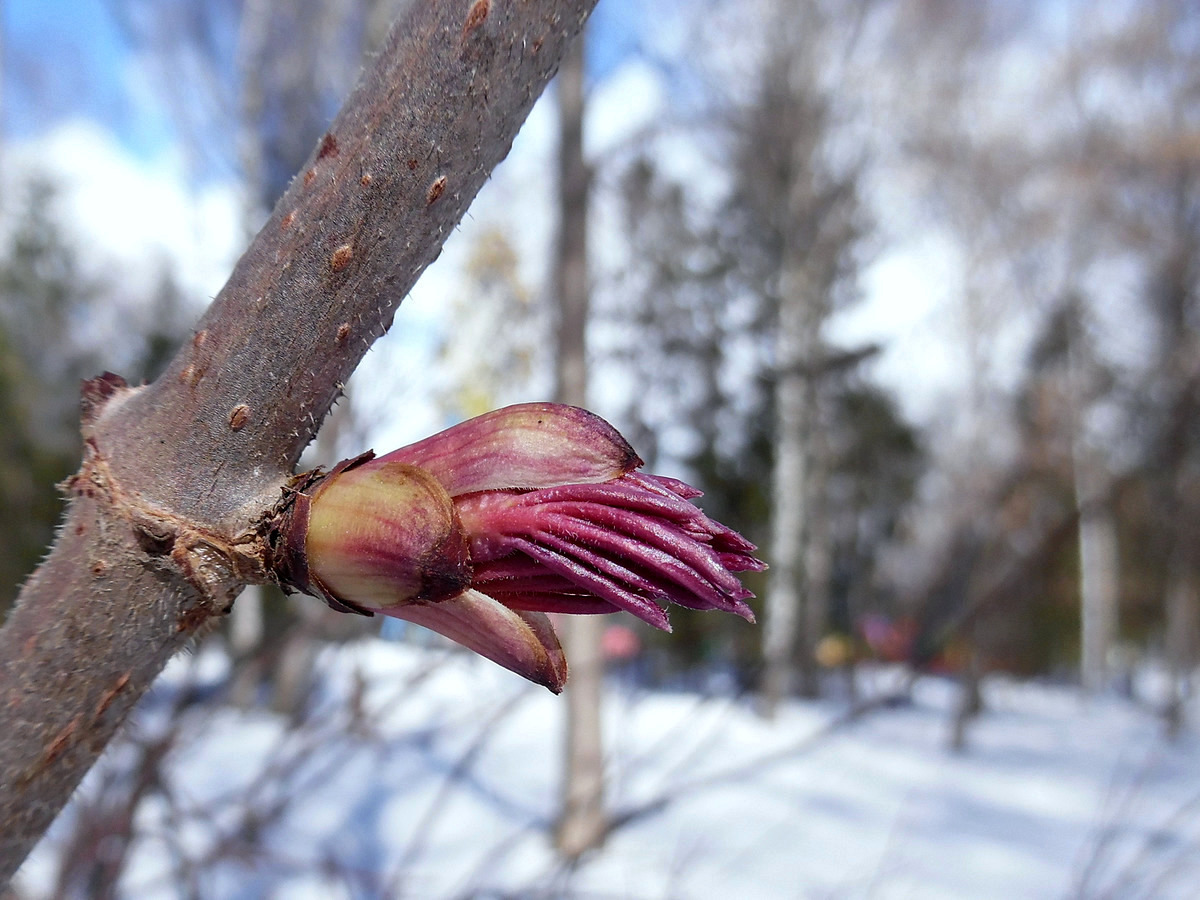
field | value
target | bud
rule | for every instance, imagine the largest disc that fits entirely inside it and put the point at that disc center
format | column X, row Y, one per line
column 479, row 531
column 386, row 533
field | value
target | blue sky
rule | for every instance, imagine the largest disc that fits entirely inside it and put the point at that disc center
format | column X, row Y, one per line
column 66, row 59
column 71, row 58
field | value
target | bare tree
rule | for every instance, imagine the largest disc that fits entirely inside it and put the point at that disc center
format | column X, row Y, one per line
column 272, row 75
column 582, row 824
column 1099, row 547
column 165, row 520
column 1157, row 57
column 807, row 200
column 731, row 296
column 1106, row 182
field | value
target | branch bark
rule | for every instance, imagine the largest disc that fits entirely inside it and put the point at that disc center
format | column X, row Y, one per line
column 166, row 519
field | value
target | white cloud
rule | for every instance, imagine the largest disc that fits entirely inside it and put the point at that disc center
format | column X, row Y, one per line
column 908, row 309
column 131, row 213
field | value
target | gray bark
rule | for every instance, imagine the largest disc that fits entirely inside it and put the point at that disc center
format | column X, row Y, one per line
column 582, row 824
column 1099, row 552
column 165, row 522
column 797, row 586
column 814, row 217
column 788, row 511
column 1098, row 587
column 1182, row 629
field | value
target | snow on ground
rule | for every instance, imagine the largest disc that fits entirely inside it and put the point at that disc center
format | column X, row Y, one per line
column 432, row 774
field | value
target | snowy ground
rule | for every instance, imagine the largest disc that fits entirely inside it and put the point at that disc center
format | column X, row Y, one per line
column 427, row 774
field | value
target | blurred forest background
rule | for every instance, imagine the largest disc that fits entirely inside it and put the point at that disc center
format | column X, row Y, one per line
column 909, row 288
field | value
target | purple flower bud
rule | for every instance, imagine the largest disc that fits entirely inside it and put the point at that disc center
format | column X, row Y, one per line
column 479, row 531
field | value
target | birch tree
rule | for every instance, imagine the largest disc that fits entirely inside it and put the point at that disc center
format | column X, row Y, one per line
column 807, row 200
column 582, row 824
column 1149, row 145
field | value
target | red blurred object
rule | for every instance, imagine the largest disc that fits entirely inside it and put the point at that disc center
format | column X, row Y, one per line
column 620, row 643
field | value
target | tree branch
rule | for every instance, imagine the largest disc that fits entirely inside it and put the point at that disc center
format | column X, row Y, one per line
column 166, row 519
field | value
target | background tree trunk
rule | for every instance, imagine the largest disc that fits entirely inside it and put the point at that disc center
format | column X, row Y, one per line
column 1099, row 551
column 813, row 223
column 789, row 510
column 1099, row 582
column 1182, row 627
column 583, row 823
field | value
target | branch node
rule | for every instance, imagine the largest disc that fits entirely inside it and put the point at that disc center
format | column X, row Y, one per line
column 95, row 394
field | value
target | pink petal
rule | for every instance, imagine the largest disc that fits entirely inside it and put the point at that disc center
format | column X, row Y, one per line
column 520, row 641
column 522, row 447
column 595, row 583
column 557, row 603
column 661, row 483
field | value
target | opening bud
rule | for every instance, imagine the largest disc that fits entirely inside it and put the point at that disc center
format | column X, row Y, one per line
column 480, row 530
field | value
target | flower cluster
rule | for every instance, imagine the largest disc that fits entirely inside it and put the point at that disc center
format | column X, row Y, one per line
column 482, row 529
